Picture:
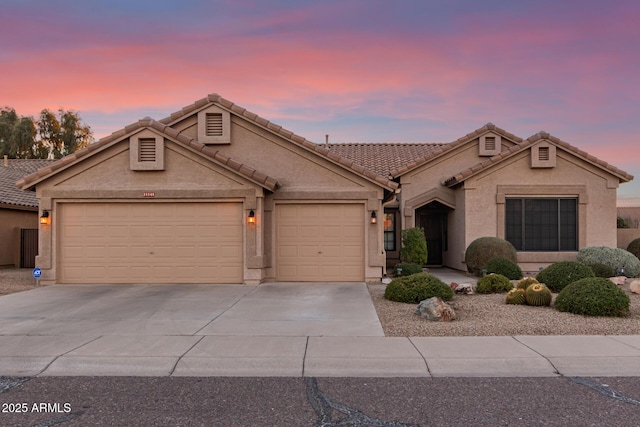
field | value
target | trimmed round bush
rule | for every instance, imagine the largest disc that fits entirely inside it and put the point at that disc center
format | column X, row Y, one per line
column 407, row 269
column 594, row 296
column 503, row 266
column 417, row 287
column 634, row 247
column 526, row 282
column 484, row 249
column 516, row 297
column 615, row 258
column 493, row 284
column 538, row 295
column 560, row 274
column 602, row 270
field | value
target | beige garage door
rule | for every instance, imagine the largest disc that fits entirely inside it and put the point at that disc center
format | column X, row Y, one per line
column 150, row 243
column 320, row 242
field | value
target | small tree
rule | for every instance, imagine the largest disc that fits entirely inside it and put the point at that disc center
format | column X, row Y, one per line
column 414, row 246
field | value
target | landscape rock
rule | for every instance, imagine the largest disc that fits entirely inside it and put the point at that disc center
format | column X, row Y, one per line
column 618, row 280
column 464, row 288
column 635, row 286
column 436, row 310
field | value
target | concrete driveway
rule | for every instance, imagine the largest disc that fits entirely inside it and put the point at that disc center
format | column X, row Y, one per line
column 176, row 329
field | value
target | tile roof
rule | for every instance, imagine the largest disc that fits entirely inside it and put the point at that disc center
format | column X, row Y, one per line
column 15, row 170
column 479, row 167
column 383, row 158
column 279, row 130
column 217, row 156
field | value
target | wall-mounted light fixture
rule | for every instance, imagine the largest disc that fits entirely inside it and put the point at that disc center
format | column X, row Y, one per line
column 44, row 218
column 251, row 219
column 374, row 217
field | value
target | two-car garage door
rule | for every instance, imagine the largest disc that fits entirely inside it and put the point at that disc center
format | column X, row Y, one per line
column 150, row 243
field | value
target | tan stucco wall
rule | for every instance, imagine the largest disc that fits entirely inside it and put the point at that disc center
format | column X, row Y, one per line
column 626, row 236
column 11, row 221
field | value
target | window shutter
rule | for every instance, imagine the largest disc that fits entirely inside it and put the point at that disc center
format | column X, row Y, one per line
column 214, row 124
column 147, row 150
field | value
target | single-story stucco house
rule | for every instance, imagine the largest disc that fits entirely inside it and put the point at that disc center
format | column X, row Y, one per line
column 216, row 194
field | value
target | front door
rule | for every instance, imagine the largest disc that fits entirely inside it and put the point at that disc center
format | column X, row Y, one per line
column 433, row 219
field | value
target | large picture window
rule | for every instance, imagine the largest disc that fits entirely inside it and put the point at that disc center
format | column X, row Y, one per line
column 542, row 224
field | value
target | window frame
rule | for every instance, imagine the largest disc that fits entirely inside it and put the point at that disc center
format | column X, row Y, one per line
column 567, row 227
column 389, row 231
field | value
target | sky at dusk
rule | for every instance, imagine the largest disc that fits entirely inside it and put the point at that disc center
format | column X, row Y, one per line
column 358, row 70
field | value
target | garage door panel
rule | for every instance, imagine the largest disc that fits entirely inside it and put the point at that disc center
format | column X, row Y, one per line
column 150, row 243
column 316, row 242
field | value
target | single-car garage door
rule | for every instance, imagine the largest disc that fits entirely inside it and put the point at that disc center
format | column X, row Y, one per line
column 320, row 242
column 150, row 243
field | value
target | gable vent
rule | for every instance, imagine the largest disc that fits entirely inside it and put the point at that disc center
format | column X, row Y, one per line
column 214, row 124
column 490, row 143
column 543, row 154
column 147, row 150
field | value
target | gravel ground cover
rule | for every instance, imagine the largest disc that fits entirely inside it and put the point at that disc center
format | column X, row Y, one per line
column 488, row 315
column 16, row 280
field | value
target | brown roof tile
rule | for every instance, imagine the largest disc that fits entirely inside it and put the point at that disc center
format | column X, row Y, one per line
column 15, row 170
column 260, row 121
column 479, row 167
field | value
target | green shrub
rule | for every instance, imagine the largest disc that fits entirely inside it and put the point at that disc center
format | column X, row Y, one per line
column 538, row 295
column 526, row 282
column 484, row 249
column 594, row 296
column 494, row 283
column 414, row 246
column 503, row 266
column 560, row 274
column 417, row 287
column 615, row 258
column 407, row 269
column 634, row 247
column 602, row 270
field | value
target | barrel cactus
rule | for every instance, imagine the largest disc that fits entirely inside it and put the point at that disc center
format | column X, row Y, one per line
column 526, row 282
column 516, row 296
column 538, row 295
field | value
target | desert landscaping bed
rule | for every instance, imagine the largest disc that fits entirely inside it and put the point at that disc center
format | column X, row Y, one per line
column 16, row 280
column 488, row 315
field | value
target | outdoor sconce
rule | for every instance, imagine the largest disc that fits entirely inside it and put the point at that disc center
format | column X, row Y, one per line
column 374, row 218
column 44, row 218
column 251, row 219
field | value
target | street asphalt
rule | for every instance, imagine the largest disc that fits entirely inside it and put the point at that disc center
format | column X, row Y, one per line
column 268, row 330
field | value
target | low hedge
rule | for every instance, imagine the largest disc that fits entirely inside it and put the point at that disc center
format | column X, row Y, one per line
column 417, row 287
column 593, row 296
column 560, row 274
column 504, row 266
column 494, row 283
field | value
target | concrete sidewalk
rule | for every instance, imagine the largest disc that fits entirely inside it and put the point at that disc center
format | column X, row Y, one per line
column 518, row 356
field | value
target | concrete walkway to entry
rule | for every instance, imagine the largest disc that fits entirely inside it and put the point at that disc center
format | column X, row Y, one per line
column 273, row 329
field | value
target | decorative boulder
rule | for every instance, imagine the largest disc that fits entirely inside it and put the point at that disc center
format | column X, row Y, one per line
column 618, row 280
column 635, row 286
column 464, row 288
column 436, row 310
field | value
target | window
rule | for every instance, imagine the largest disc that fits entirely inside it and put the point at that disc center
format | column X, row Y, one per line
column 389, row 232
column 542, row 224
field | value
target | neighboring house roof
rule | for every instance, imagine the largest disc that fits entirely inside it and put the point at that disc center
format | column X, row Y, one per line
column 288, row 135
column 512, row 151
column 253, row 175
column 383, row 158
column 15, row 170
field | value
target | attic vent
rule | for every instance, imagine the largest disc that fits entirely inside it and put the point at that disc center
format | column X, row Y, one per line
column 490, row 143
column 214, row 124
column 543, row 154
column 147, row 150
